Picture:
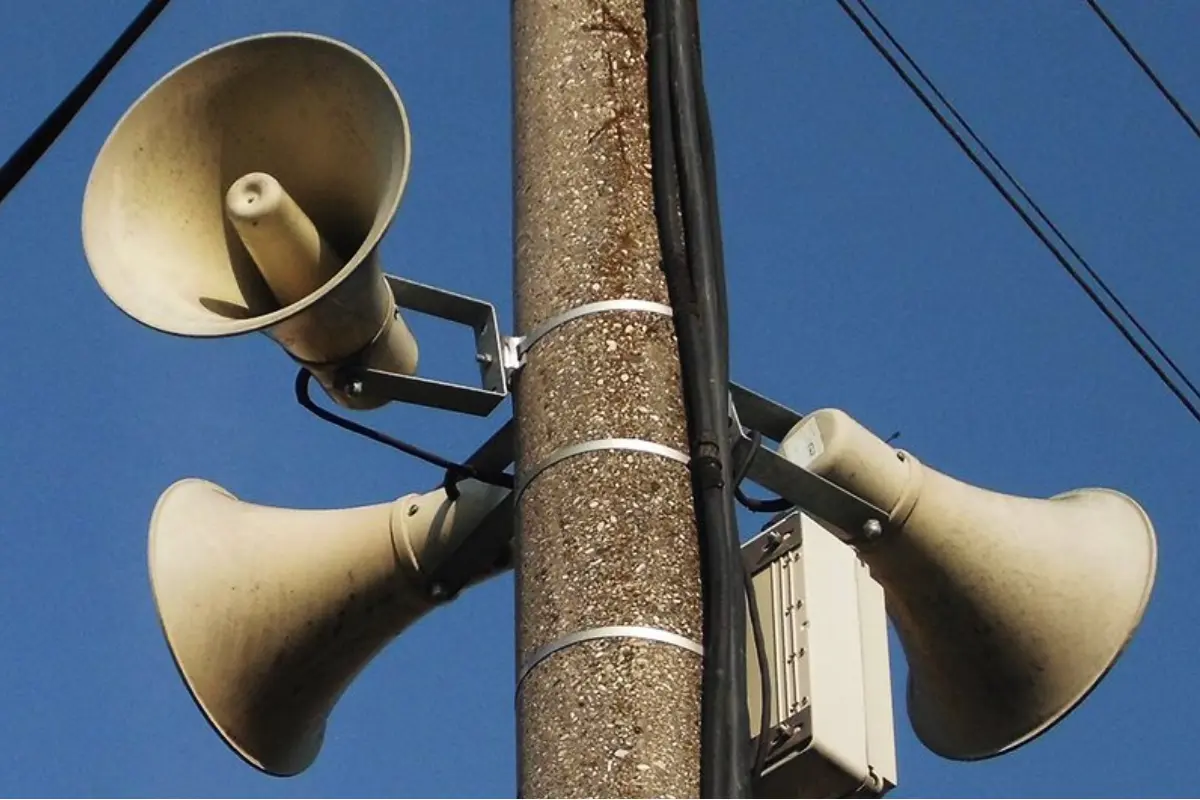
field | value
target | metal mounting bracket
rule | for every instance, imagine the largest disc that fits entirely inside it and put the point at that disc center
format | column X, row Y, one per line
column 478, row 315
column 853, row 519
column 850, row 517
column 488, row 548
column 515, row 347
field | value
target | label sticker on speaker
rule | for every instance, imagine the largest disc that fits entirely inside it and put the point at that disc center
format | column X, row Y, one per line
column 803, row 445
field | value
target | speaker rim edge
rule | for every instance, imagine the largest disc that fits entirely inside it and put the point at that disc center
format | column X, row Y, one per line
column 1068, row 708
column 308, row 754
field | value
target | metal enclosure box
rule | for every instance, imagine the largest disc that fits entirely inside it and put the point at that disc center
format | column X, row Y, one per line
column 825, row 628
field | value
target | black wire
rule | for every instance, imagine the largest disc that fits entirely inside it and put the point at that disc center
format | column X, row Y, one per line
column 1037, row 231
column 664, row 177
column 708, row 151
column 1141, row 62
column 454, row 470
column 20, row 162
column 1037, row 209
column 763, row 746
column 771, row 506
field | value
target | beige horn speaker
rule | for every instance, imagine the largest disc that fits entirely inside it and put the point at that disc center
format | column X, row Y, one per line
column 271, row 612
column 1010, row 609
column 248, row 190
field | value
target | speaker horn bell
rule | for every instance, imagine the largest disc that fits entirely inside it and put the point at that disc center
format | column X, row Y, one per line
column 1010, row 609
column 270, row 613
column 165, row 242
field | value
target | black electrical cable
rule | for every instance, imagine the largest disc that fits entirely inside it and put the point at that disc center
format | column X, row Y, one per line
column 708, row 152
column 454, row 470
column 770, row 506
column 20, row 162
column 1141, row 62
column 1028, row 220
column 1033, row 204
column 763, row 747
column 665, row 179
column 724, row 721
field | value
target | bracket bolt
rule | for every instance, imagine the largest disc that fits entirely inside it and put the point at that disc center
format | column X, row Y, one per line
column 782, row 734
column 872, row 529
column 354, row 389
column 484, row 358
column 438, row 591
column 773, row 540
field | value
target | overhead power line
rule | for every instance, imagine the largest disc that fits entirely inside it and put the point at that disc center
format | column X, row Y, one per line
column 1141, row 62
column 1044, row 236
column 32, row 149
column 1037, row 209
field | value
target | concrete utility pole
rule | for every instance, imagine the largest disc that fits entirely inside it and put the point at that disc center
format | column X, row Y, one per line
column 605, row 521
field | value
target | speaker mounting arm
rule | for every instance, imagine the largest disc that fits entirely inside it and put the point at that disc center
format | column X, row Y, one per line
column 851, row 518
column 478, row 315
column 488, row 549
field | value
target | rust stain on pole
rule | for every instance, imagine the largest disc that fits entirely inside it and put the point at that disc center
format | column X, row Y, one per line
column 606, row 538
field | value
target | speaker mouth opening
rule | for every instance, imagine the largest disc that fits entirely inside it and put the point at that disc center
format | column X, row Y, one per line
column 306, row 749
column 938, row 744
column 154, row 228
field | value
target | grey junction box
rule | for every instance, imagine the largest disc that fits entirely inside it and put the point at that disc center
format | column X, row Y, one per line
column 825, row 627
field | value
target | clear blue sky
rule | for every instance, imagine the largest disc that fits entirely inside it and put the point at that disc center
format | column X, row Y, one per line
column 870, row 268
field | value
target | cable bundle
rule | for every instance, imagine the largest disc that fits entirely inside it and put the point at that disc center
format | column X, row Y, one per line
column 685, row 200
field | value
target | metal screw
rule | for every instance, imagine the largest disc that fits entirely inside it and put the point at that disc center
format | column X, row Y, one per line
column 773, row 540
column 413, row 509
column 483, row 358
column 437, row 591
column 354, row 389
column 872, row 529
